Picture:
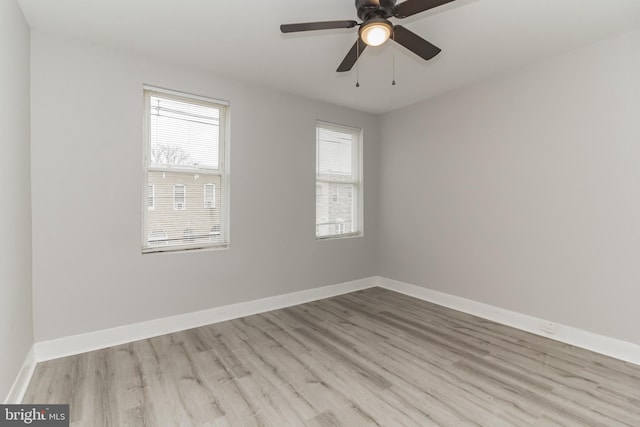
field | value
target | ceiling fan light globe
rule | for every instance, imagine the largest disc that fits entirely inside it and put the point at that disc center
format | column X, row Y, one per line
column 375, row 33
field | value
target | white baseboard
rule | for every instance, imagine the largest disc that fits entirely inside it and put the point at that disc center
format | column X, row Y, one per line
column 19, row 387
column 96, row 340
column 616, row 348
column 75, row 344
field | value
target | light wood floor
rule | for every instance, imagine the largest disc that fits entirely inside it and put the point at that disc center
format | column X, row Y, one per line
column 372, row 357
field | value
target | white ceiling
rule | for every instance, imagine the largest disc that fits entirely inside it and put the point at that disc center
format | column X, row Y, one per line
column 242, row 40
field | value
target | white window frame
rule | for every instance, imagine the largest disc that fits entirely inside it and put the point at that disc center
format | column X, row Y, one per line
column 357, row 197
column 184, row 198
column 222, row 172
column 213, row 196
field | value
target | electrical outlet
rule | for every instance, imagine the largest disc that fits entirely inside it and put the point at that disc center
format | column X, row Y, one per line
column 548, row 327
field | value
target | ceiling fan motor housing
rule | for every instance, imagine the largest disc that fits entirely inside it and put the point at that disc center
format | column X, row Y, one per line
column 368, row 9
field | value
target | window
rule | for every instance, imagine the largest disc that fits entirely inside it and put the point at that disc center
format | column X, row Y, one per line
column 184, row 152
column 338, row 181
column 150, row 197
column 179, row 197
column 209, row 195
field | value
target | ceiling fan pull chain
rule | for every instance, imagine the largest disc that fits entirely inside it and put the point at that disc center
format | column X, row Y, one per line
column 393, row 59
column 357, row 63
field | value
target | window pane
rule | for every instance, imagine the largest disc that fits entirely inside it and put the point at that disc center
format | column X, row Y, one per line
column 193, row 223
column 335, row 153
column 335, row 210
column 183, row 134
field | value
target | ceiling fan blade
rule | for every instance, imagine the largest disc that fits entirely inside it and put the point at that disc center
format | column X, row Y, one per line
column 352, row 56
column 415, row 43
column 411, row 7
column 312, row 26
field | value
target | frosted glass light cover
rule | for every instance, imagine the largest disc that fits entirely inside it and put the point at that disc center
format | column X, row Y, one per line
column 375, row 34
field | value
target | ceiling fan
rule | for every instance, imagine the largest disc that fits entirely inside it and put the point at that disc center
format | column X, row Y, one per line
column 375, row 27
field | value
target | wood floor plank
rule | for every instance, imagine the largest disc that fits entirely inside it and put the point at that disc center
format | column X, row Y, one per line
column 372, row 357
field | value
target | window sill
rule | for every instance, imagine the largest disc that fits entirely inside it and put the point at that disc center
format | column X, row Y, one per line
column 340, row 236
column 183, row 249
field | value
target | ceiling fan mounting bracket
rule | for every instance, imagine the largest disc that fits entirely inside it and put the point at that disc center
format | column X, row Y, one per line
column 368, row 9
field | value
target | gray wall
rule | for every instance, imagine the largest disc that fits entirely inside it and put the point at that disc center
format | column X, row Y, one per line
column 16, row 318
column 88, row 270
column 524, row 191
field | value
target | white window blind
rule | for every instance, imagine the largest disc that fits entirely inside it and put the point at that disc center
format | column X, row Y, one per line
column 184, row 153
column 338, row 181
